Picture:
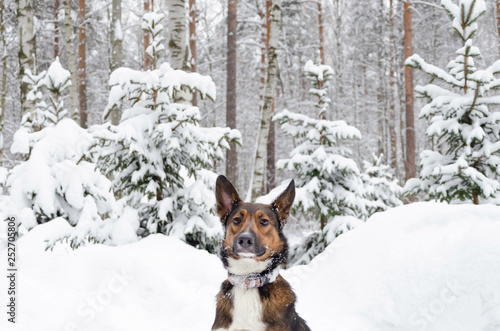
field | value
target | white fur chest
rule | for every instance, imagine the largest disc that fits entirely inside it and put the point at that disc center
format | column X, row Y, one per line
column 247, row 310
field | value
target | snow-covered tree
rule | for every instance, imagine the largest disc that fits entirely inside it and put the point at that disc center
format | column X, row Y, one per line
column 467, row 133
column 49, row 108
column 328, row 181
column 56, row 181
column 381, row 188
column 156, row 155
column 328, row 178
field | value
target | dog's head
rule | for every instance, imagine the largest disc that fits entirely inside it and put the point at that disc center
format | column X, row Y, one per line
column 253, row 240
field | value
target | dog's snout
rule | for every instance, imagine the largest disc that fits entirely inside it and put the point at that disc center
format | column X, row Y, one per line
column 246, row 240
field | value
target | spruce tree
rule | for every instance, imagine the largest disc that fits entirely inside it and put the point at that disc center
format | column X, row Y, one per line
column 326, row 175
column 329, row 186
column 467, row 132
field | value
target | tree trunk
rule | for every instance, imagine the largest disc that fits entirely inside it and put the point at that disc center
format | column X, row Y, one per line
column 27, row 48
column 178, row 45
column 381, row 91
column 498, row 20
column 475, row 197
column 271, row 157
column 265, row 17
column 321, row 34
column 116, row 49
column 192, row 40
column 231, row 155
column 3, row 95
column 272, row 68
column 147, row 60
column 116, row 35
column 82, row 67
column 393, row 161
column 70, row 49
column 410, row 166
column 56, row 28
column 271, row 142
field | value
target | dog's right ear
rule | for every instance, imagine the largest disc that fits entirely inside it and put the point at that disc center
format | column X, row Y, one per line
column 226, row 196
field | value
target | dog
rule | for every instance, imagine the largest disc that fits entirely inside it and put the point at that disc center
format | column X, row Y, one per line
column 254, row 297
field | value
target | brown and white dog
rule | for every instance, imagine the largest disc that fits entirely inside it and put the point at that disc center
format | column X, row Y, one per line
column 254, row 297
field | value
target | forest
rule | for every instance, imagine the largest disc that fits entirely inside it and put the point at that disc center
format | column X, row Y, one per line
column 117, row 116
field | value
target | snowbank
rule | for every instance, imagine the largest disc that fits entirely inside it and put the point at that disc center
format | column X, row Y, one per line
column 426, row 266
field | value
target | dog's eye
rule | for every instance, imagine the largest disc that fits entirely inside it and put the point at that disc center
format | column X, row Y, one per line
column 237, row 221
column 264, row 222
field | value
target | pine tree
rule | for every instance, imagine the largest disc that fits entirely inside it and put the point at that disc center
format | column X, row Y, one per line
column 468, row 133
column 326, row 175
column 158, row 152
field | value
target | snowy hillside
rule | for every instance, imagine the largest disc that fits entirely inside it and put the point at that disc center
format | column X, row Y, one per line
column 425, row 266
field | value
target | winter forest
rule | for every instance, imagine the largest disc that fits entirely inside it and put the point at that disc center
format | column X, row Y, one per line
column 117, row 116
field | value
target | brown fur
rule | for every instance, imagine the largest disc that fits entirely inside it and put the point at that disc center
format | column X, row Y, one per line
column 224, row 310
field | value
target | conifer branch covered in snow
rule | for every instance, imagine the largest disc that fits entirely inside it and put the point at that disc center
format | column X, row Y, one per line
column 381, row 188
column 57, row 182
column 48, row 109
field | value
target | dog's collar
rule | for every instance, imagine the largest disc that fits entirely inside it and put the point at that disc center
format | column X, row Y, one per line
column 254, row 280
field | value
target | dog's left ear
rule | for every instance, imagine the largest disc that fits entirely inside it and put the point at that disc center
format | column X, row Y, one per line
column 283, row 204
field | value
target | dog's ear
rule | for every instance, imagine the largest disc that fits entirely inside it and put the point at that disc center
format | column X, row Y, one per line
column 226, row 197
column 283, row 204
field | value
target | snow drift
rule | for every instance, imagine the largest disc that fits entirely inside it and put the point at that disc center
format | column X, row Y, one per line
column 425, row 266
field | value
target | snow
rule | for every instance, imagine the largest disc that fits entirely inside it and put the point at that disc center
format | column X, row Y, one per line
column 425, row 266
column 320, row 72
column 118, row 30
column 57, row 77
column 415, row 61
column 21, row 142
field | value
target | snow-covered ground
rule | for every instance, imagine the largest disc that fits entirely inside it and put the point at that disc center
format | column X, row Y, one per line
column 425, row 266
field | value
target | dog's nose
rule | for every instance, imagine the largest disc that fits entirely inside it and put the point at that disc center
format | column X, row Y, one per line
column 246, row 240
